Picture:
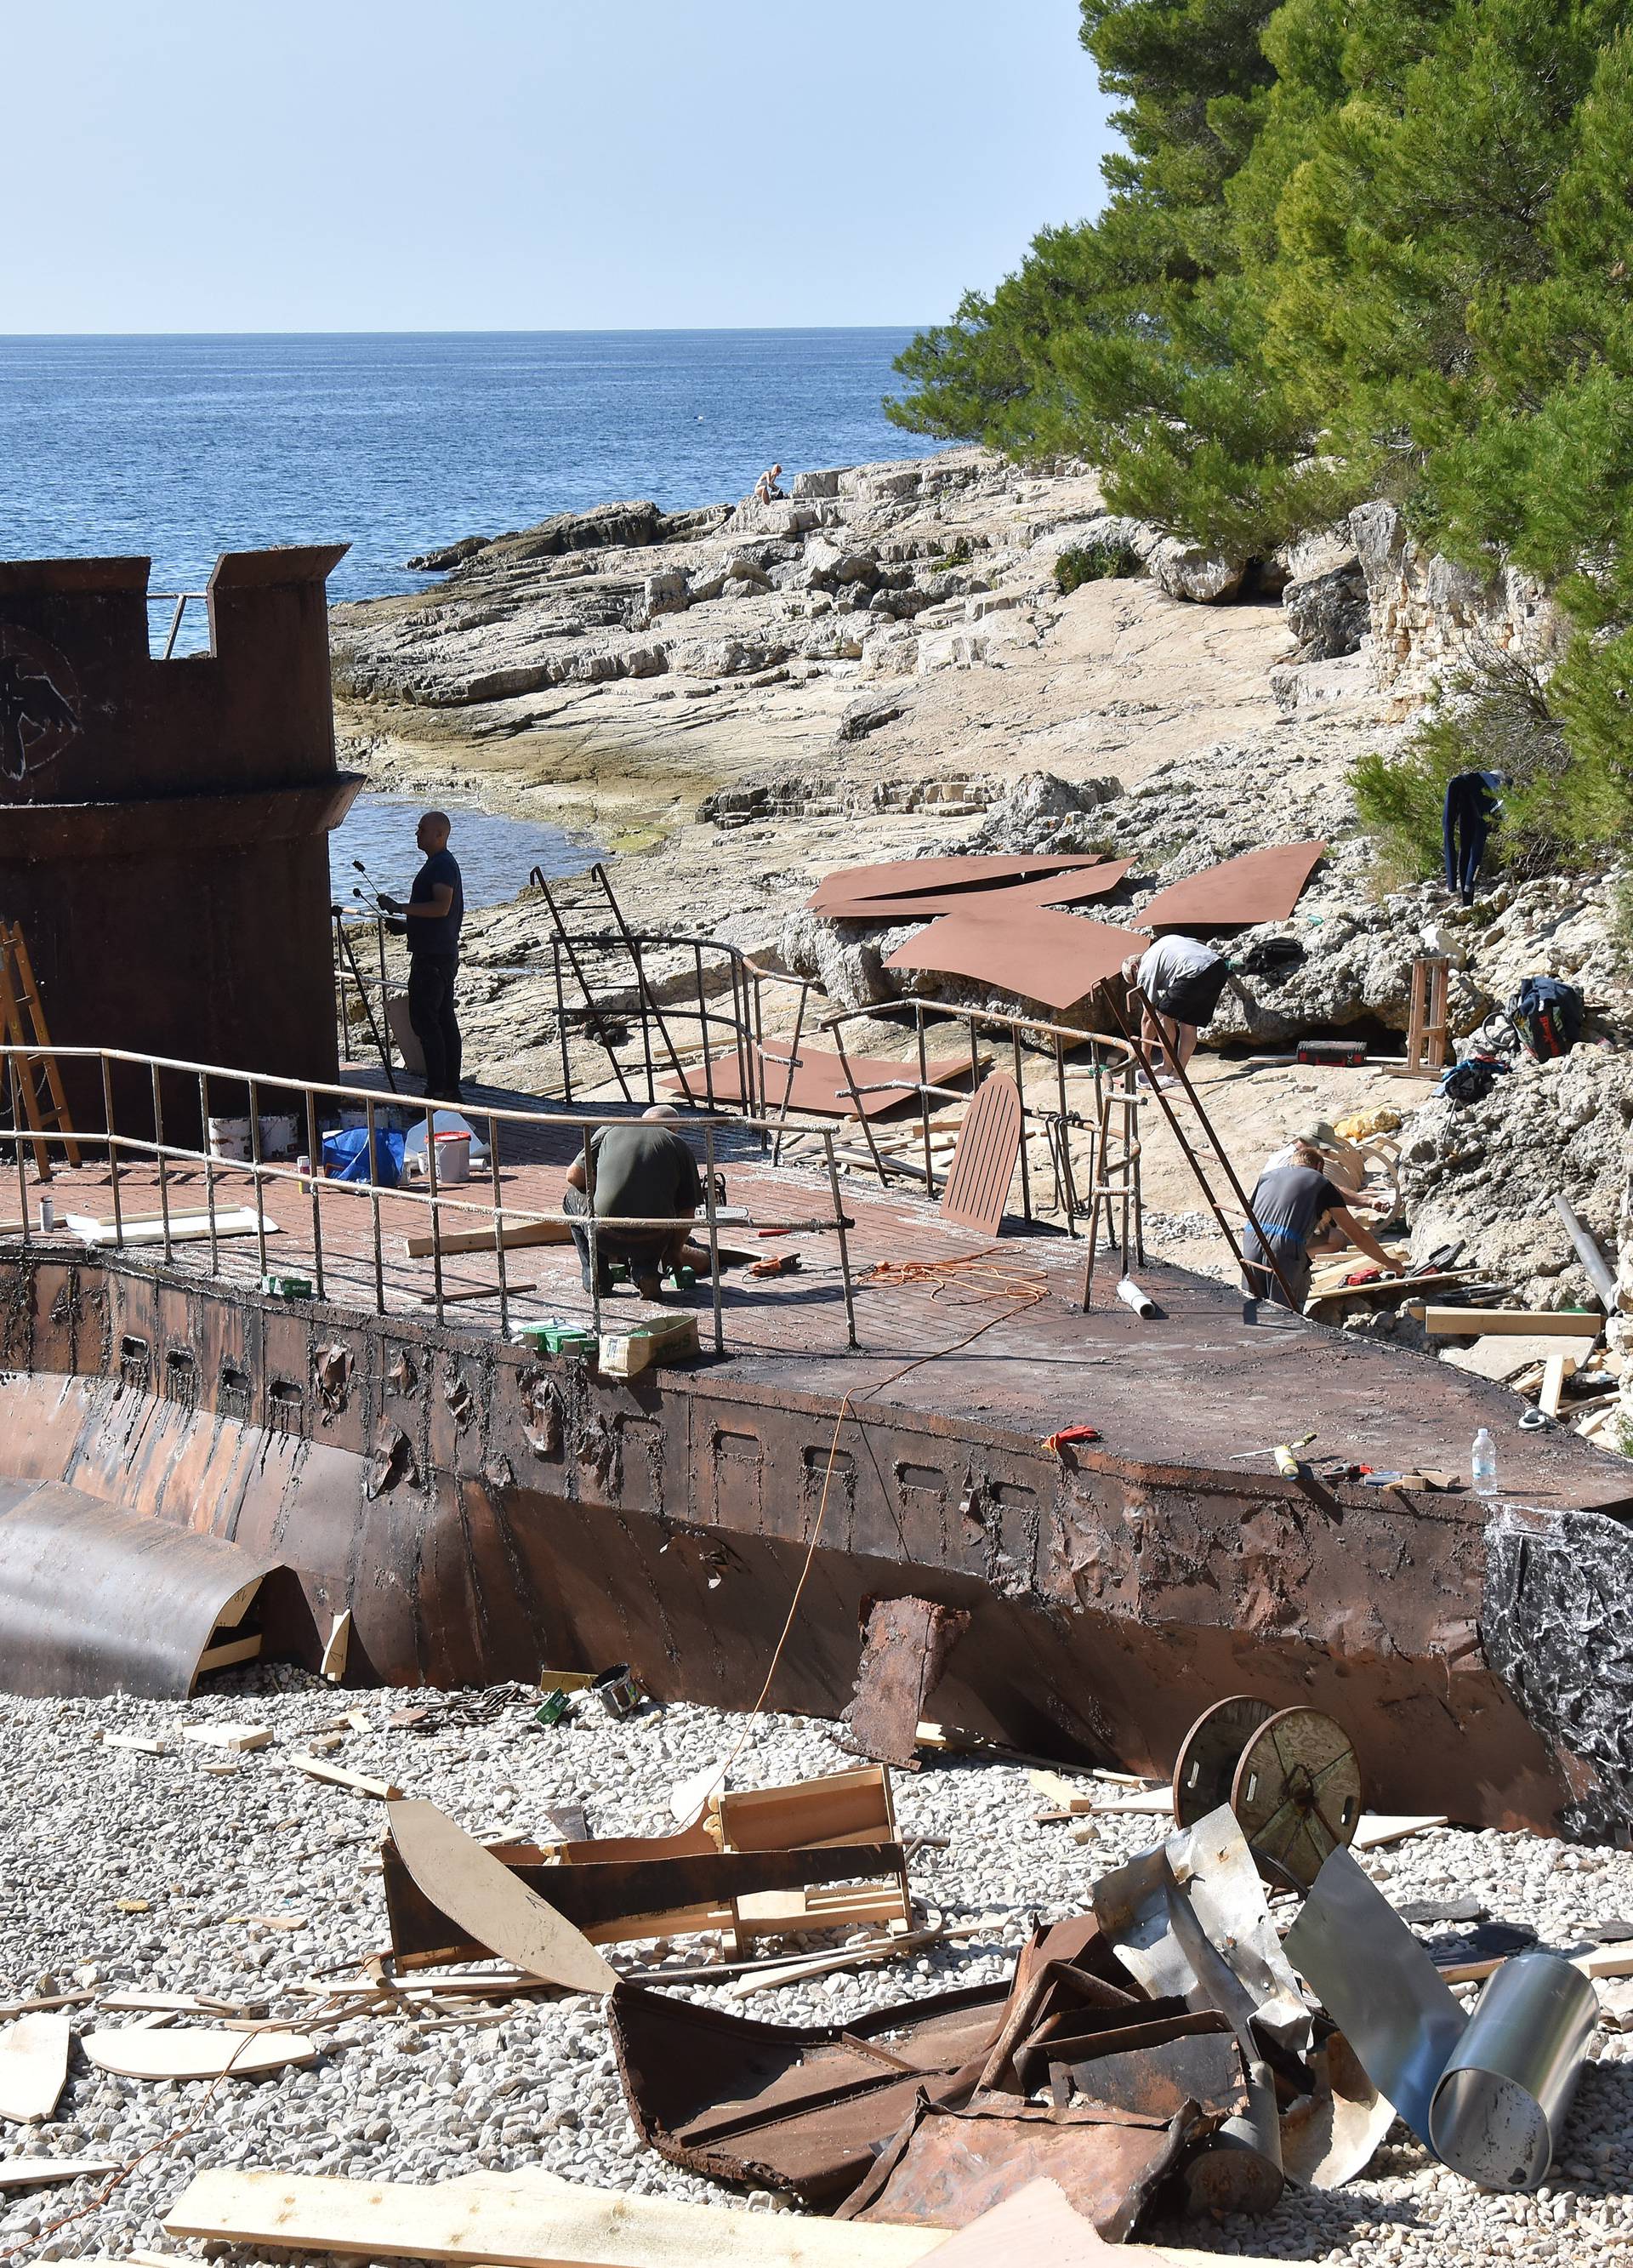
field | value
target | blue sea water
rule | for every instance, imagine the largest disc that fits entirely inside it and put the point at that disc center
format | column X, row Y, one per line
column 179, row 448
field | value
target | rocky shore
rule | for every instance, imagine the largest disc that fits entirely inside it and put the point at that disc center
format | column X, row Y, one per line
column 900, row 658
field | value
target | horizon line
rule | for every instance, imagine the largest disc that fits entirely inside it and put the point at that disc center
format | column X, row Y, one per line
column 406, row 331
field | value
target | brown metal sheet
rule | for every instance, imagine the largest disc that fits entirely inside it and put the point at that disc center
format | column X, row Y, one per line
column 806, row 2108
column 819, row 1083
column 905, row 1645
column 911, row 878
column 983, row 1164
column 947, row 2167
column 1065, row 889
column 1159, row 2078
column 1054, row 958
column 1261, row 886
column 612, row 1899
column 97, row 1599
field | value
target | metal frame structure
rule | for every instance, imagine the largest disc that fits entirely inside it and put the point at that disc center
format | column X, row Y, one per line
column 319, row 1100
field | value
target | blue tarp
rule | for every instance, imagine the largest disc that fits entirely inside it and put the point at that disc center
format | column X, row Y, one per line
column 345, row 1156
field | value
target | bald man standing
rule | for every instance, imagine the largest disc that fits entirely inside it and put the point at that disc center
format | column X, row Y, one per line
column 433, row 917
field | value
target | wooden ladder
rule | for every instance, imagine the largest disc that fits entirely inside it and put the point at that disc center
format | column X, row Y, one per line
column 46, row 1115
column 1426, row 1029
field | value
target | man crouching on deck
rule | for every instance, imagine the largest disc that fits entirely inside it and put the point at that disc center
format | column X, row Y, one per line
column 433, row 917
column 643, row 1171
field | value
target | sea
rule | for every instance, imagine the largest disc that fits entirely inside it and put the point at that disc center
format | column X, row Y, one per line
column 179, row 448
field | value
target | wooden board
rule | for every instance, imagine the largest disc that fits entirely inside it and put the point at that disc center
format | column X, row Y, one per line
column 336, row 1646
column 223, row 1653
column 532, row 2221
column 1378, row 1828
column 242, row 1740
column 1037, row 2225
column 481, row 1239
column 1500, row 1356
column 185, row 1228
column 983, row 1164
column 36, row 2173
column 1472, row 1323
column 141, row 2052
column 33, row 2065
column 494, row 1909
column 337, row 1776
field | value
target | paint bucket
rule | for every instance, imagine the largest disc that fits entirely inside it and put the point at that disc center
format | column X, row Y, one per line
column 617, row 1691
column 47, row 1211
column 453, row 1158
column 279, row 1133
column 229, row 1139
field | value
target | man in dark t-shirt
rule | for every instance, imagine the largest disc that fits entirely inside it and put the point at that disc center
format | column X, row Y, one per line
column 1289, row 1202
column 644, row 1170
column 431, row 918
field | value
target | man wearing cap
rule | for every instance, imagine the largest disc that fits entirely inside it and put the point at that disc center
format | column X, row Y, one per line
column 1289, row 1204
column 640, row 1172
column 1345, row 1168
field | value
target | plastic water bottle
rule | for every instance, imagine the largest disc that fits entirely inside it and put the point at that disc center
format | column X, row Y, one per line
column 1483, row 1463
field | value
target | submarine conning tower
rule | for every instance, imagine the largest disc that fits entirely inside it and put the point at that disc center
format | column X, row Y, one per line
column 163, row 822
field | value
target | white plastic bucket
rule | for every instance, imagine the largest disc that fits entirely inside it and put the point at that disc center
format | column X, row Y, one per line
column 278, row 1134
column 229, row 1139
column 453, row 1158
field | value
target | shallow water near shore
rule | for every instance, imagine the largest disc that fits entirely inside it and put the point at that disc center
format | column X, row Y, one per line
column 495, row 854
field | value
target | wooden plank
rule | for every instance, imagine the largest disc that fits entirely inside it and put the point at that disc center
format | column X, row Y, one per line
column 242, row 1740
column 336, row 1647
column 1538, row 1323
column 45, row 2000
column 1500, row 1356
column 34, row 2064
column 1378, row 1828
column 137, row 1741
column 138, row 2052
column 481, row 1239
column 185, row 1228
column 37, row 2173
column 493, row 1908
column 1039, row 2224
column 337, row 1776
column 226, row 1654
column 1555, row 1370
column 535, row 2221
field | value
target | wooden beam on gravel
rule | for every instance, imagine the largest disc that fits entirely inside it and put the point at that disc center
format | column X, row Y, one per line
column 1534, row 1322
column 535, row 2221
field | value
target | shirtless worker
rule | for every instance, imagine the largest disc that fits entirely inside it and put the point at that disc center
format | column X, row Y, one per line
column 431, row 920
column 643, row 1171
column 766, row 489
column 1290, row 1202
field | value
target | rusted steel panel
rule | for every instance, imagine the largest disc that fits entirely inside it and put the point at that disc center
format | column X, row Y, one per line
column 1066, row 888
column 970, row 875
column 1261, row 886
column 1159, row 2077
column 1054, row 958
column 905, row 1644
column 947, row 2167
column 206, row 784
column 98, row 1599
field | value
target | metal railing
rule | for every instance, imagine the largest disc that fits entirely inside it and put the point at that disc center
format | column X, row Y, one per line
column 182, row 599
column 320, row 1100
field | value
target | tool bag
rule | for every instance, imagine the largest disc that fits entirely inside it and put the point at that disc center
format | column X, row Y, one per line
column 1546, row 1014
column 1472, row 1079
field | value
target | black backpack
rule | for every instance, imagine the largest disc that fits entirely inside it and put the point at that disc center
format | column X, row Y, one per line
column 1545, row 1013
column 1472, row 1079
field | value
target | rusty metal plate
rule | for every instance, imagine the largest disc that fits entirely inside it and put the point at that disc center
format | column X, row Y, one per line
column 818, row 1085
column 1296, row 1795
column 1054, row 958
column 916, row 878
column 948, row 2166
column 1261, row 886
column 1204, row 2067
column 1064, row 889
column 801, row 2108
column 905, row 1646
column 983, row 1164
column 96, row 1599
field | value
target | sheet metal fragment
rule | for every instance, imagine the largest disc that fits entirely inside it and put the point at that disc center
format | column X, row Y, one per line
column 905, row 1644
column 1488, row 2094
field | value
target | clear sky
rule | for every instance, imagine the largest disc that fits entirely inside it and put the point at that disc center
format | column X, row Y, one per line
column 530, row 164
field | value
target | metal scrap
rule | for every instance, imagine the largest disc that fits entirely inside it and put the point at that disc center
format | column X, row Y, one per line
column 905, row 1644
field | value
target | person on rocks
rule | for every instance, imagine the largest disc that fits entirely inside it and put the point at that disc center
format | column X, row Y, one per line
column 766, row 489
column 1345, row 1167
column 1181, row 981
column 642, row 1171
column 431, row 920
column 1291, row 1205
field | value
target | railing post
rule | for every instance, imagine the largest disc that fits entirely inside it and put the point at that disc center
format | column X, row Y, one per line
column 164, row 1177
column 1021, row 1089
column 590, row 1231
column 209, row 1171
column 257, row 1167
column 314, row 1152
column 16, row 1131
column 113, row 1153
column 431, row 1171
column 844, row 1249
column 714, row 1233
column 374, row 1214
column 498, row 1224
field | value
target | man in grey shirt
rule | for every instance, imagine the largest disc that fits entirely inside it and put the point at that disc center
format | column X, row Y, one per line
column 642, row 1171
column 1290, row 1202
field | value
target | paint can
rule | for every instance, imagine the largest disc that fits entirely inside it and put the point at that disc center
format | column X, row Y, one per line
column 279, row 1132
column 47, row 1211
column 453, row 1158
column 617, row 1690
column 229, row 1139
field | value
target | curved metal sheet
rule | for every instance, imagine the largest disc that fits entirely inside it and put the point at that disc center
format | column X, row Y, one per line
column 1261, row 885
column 94, row 1599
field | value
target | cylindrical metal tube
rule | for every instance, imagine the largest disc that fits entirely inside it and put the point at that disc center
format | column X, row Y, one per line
column 1504, row 2095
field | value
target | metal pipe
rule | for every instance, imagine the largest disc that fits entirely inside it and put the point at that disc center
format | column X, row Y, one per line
column 430, row 1176
column 113, row 1153
column 1021, row 1089
column 17, row 1130
column 702, row 1018
column 374, row 1214
column 598, row 1025
column 176, row 625
column 851, row 1339
column 498, row 1226
column 851, row 1081
column 591, row 1235
column 793, row 1058
column 923, row 1100
column 209, row 1172
column 257, row 1174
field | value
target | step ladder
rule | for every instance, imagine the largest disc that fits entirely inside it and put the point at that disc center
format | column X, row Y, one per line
column 23, row 1027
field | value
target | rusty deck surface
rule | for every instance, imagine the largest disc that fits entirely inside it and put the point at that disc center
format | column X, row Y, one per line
column 971, row 1329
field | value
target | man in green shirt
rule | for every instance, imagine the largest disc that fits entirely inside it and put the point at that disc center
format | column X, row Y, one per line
column 642, row 1171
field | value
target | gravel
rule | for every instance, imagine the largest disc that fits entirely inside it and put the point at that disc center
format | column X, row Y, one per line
column 533, row 2085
